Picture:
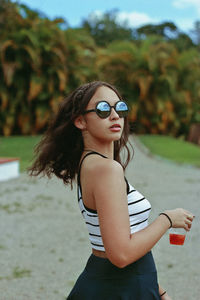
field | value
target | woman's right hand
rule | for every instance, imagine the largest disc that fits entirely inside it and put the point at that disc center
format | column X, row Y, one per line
column 181, row 218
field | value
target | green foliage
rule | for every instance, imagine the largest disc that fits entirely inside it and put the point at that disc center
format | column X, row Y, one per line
column 156, row 68
column 196, row 32
column 164, row 29
column 159, row 83
column 33, row 67
column 81, row 59
column 105, row 29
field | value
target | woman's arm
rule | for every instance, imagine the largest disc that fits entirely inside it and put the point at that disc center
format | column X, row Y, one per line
column 109, row 192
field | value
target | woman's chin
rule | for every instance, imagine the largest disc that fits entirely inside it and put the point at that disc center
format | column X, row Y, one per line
column 116, row 138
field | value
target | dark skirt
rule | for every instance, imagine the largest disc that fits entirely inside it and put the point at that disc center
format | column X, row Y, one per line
column 101, row 280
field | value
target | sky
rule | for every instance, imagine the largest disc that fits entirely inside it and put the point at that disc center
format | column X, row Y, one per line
column 137, row 12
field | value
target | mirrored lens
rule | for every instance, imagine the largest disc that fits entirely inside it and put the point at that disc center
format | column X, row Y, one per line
column 103, row 109
column 122, row 109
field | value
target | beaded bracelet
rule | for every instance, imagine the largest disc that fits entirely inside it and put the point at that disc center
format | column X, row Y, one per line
column 163, row 293
column 167, row 218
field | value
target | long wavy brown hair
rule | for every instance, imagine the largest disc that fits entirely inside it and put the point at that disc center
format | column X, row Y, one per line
column 61, row 147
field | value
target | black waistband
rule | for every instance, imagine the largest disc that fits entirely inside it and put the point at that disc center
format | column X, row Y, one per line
column 103, row 267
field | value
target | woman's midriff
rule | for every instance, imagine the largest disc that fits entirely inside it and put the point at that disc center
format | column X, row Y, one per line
column 99, row 253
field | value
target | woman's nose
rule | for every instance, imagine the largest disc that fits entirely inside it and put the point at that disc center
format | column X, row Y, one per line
column 114, row 115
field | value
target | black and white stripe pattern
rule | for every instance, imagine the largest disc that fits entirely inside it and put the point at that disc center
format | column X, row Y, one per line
column 138, row 207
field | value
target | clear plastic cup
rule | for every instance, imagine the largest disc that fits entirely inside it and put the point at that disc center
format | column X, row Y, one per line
column 177, row 236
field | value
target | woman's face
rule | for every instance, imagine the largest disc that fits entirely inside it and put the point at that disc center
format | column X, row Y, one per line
column 109, row 129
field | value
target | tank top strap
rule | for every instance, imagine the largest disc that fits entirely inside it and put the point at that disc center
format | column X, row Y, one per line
column 79, row 170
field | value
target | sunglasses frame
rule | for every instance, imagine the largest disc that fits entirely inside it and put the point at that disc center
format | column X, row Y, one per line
column 111, row 106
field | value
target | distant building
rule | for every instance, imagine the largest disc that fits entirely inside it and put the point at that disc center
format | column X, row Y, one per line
column 9, row 168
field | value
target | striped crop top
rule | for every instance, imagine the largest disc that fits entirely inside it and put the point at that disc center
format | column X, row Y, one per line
column 138, row 208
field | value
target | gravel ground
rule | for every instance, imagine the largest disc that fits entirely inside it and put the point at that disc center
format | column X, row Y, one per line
column 44, row 243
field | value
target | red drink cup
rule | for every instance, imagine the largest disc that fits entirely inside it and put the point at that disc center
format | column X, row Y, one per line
column 176, row 239
column 177, row 236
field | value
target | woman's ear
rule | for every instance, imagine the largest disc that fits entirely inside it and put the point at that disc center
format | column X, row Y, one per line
column 80, row 123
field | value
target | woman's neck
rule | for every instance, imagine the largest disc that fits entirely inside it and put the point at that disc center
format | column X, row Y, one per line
column 106, row 150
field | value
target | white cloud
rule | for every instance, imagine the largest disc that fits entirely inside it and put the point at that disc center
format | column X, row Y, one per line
column 96, row 13
column 185, row 24
column 135, row 19
column 187, row 3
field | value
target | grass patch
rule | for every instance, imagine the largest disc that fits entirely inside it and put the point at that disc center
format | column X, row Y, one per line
column 2, row 247
column 173, row 149
column 12, row 208
column 19, row 273
column 61, row 260
column 20, row 147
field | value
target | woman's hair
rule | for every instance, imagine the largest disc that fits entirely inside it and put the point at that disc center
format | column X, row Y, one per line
column 61, row 147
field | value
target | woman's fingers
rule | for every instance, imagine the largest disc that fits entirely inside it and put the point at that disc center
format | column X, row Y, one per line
column 189, row 215
column 189, row 219
column 189, row 224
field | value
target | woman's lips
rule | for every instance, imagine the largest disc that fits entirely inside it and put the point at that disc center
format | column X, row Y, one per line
column 115, row 127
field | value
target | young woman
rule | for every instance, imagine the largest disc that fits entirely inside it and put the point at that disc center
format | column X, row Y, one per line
column 84, row 140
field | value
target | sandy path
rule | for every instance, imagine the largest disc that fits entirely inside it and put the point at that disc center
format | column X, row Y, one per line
column 44, row 243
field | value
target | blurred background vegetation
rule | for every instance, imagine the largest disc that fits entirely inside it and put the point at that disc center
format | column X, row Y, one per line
column 155, row 67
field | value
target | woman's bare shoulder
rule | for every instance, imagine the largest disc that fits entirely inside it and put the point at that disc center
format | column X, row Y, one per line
column 98, row 166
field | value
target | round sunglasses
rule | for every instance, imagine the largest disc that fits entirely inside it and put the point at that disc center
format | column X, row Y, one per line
column 103, row 109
